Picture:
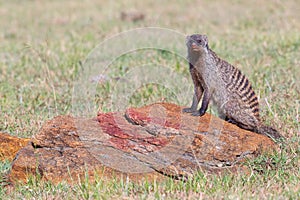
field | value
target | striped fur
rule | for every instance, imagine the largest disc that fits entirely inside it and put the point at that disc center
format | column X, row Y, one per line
column 240, row 85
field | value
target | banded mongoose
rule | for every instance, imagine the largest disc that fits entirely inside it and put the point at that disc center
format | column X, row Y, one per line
column 228, row 88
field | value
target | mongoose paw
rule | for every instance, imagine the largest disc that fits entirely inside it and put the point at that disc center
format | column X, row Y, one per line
column 198, row 113
column 188, row 110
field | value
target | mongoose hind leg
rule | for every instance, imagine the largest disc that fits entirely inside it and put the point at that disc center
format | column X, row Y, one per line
column 230, row 120
column 239, row 124
column 240, row 115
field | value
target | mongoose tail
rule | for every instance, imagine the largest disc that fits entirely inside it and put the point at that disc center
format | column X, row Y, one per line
column 268, row 131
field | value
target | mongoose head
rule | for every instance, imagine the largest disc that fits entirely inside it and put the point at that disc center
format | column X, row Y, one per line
column 197, row 43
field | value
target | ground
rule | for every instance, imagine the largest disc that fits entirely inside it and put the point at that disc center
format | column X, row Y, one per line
column 44, row 43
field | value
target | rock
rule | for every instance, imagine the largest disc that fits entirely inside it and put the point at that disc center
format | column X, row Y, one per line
column 208, row 142
column 9, row 146
column 151, row 142
column 67, row 149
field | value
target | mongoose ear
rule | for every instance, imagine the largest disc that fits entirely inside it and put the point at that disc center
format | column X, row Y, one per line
column 206, row 40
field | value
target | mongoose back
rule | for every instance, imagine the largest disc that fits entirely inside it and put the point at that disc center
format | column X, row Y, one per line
column 219, row 81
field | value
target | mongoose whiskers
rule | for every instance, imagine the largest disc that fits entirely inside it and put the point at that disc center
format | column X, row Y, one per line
column 219, row 81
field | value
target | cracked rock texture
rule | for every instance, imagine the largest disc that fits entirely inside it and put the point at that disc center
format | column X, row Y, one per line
column 150, row 142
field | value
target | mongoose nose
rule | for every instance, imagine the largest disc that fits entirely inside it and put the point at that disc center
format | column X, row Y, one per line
column 194, row 45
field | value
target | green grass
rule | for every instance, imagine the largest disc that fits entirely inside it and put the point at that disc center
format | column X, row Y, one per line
column 43, row 43
column 270, row 176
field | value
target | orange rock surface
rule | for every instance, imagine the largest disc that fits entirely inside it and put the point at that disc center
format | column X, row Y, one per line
column 151, row 142
column 10, row 145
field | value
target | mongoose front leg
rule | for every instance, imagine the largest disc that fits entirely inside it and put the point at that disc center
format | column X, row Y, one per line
column 205, row 102
column 198, row 90
column 196, row 99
